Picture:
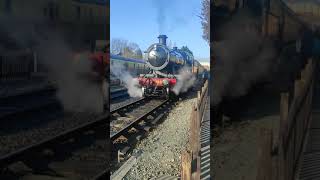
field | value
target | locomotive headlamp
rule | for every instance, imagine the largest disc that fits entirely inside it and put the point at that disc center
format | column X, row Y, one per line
column 165, row 82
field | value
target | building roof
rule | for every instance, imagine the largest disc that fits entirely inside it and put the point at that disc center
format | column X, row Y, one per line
column 99, row 2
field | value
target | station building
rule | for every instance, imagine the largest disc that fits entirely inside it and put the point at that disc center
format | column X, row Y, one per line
column 80, row 21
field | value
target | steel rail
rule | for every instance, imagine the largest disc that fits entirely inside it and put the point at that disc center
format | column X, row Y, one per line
column 136, row 121
column 126, row 105
column 22, row 154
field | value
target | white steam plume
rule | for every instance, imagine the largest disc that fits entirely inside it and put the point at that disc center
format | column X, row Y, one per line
column 243, row 58
column 78, row 90
column 132, row 84
column 75, row 91
column 185, row 80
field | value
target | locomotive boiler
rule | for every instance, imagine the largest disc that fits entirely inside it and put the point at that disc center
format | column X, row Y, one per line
column 165, row 65
column 161, row 59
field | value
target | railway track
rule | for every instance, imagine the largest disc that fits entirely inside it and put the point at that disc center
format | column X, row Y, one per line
column 129, row 125
column 71, row 150
column 119, row 94
column 18, row 105
column 128, row 106
column 31, row 141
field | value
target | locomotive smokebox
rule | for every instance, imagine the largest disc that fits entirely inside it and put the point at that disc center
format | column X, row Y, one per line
column 162, row 39
column 162, row 59
column 157, row 57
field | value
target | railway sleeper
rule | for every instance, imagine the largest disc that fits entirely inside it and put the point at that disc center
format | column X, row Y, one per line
column 139, row 137
column 121, row 139
column 150, row 117
column 122, row 153
column 157, row 119
column 133, row 130
column 143, row 127
column 147, row 128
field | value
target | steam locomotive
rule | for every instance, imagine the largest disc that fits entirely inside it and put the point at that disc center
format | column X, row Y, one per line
column 165, row 64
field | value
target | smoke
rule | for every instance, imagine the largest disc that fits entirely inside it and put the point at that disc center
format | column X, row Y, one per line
column 132, row 84
column 170, row 15
column 161, row 8
column 243, row 58
column 75, row 91
column 185, row 80
column 78, row 90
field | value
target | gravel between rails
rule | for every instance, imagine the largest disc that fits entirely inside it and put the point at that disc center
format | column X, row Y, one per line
column 161, row 150
column 24, row 136
column 84, row 164
column 120, row 122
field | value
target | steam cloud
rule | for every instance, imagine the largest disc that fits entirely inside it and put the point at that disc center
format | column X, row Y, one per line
column 75, row 91
column 243, row 57
column 169, row 23
column 161, row 8
column 185, row 80
column 132, row 84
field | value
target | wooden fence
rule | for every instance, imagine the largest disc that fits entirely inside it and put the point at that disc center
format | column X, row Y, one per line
column 190, row 160
column 18, row 65
column 280, row 160
column 305, row 8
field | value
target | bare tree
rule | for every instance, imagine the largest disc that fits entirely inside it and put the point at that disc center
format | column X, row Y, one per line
column 205, row 19
column 138, row 54
column 118, row 45
column 125, row 48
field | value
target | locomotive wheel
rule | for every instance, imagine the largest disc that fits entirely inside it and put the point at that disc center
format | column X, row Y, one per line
column 143, row 92
column 167, row 93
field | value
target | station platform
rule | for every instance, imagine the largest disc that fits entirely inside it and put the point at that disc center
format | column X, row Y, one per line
column 16, row 87
column 310, row 166
column 205, row 143
column 117, row 88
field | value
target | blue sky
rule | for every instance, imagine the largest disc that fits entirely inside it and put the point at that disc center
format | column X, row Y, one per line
column 141, row 21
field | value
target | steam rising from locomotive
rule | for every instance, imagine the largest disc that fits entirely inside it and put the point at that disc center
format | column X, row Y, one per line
column 172, row 70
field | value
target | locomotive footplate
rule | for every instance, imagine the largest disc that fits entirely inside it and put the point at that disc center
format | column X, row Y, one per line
column 155, row 86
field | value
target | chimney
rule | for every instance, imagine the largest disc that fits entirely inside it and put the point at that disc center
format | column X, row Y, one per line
column 175, row 48
column 162, row 39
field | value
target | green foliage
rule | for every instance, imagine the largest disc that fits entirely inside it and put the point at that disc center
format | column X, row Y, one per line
column 185, row 48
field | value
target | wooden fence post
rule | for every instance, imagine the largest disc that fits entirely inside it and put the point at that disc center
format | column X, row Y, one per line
column 298, row 86
column 196, row 173
column 185, row 165
column 264, row 155
column 192, row 128
column 283, row 129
